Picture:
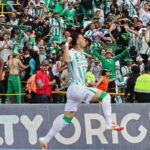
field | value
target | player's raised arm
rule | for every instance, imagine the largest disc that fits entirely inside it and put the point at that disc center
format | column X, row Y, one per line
column 66, row 51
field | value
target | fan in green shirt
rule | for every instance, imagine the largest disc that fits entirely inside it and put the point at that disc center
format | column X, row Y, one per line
column 109, row 62
column 70, row 15
column 59, row 6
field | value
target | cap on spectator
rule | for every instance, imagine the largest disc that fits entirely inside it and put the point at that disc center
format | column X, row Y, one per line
column 107, row 51
column 97, row 10
column 42, row 46
column 147, row 67
column 96, row 59
column 45, row 62
column 128, row 59
column 139, row 58
column 108, row 39
column 41, row 1
column 135, row 16
column 38, row 5
column 15, row 53
column 106, row 70
column 70, row 4
column 143, row 29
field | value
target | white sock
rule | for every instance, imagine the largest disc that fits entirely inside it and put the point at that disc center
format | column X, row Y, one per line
column 57, row 127
column 106, row 106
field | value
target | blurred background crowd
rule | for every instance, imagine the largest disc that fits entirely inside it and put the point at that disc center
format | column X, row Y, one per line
column 33, row 37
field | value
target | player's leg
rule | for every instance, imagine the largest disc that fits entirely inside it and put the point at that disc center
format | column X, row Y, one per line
column 71, row 107
column 105, row 100
column 56, row 127
column 70, row 110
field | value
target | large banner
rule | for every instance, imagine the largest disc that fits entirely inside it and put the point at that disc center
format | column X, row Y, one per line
column 22, row 125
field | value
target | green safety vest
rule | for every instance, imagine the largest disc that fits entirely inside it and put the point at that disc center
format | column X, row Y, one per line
column 142, row 84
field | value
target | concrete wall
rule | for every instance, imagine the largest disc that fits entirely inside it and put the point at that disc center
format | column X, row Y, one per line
column 21, row 125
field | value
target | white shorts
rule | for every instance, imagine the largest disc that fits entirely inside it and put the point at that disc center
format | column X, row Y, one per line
column 76, row 94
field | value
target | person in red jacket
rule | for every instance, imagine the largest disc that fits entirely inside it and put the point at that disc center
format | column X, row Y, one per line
column 43, row 83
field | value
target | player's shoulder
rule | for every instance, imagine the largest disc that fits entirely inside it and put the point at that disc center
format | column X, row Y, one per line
column 72, row 51
column 73, row 54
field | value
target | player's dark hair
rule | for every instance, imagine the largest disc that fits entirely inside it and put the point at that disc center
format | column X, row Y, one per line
column 74, row 36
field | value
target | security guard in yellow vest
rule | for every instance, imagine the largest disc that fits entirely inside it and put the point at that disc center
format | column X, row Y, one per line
column 142, row 87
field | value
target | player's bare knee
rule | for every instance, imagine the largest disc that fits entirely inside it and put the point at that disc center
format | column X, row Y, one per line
column 96, row 96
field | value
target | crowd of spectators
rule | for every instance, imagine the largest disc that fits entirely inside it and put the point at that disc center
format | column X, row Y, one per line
column 117, row 33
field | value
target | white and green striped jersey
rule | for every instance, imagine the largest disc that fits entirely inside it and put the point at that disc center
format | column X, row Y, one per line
column 120, row 3
column 142, row 45
column 107, row 10
column 142, row 68
column 56, row 26
column 96, row 46
column 77, row 66
column 125, row 70
column 16, row 22
column 131, row 4
column 148, row 48
column 88, row 34
column 101, row 20
column 132, row 41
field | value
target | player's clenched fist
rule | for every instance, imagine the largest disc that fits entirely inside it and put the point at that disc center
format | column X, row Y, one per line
column 69, row 39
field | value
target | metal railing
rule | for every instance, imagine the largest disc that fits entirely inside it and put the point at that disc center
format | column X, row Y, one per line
column 3, row 5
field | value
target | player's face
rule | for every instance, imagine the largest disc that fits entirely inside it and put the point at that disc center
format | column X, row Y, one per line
column 81, row 41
